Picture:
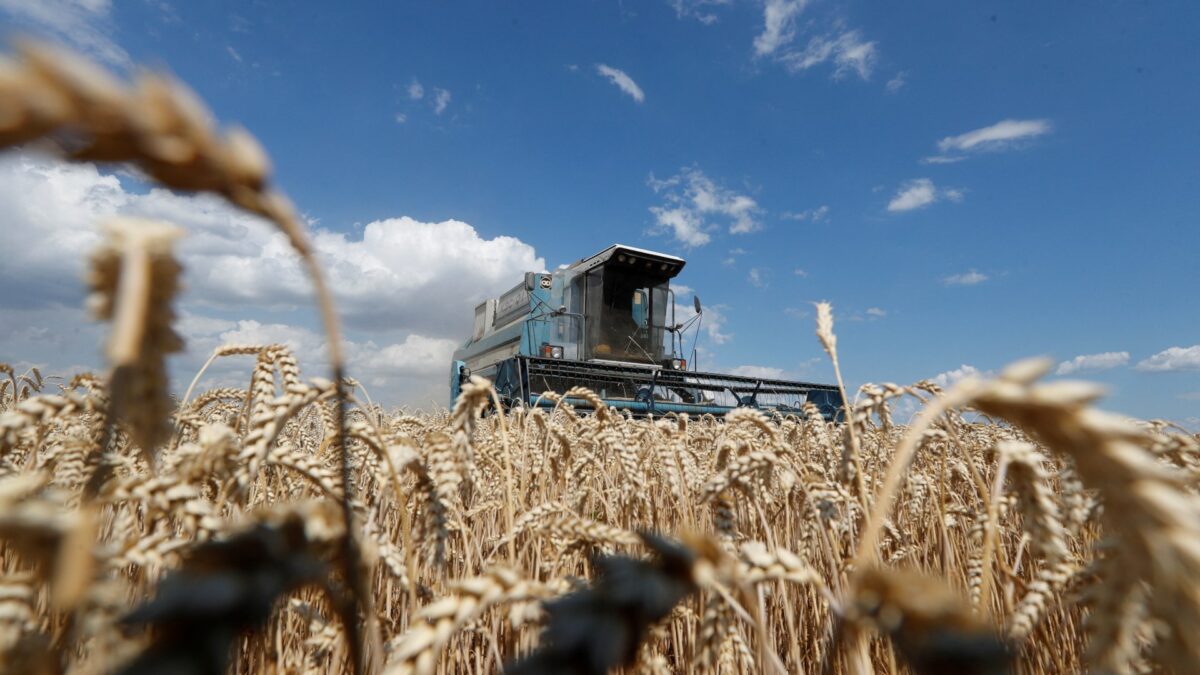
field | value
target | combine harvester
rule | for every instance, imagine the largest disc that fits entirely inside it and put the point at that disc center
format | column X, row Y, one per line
column 608, row 323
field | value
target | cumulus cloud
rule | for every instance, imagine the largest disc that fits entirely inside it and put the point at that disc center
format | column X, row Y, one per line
column 758, row 277
column 691, row 198
column 403, row 286
column 85, row 25
column 713, row 321
column 919, row 193
column 681, row 221
column 1002, row 135
column 414, row 356
column 416, row 91
column 623, row 81
column 949, row 377
column 913, row 195
column 779, row 25
column 897, row 82
column 764, row 372
column 1172, row 359
column 1092, row 362
column 876, row 312
column 968, row 278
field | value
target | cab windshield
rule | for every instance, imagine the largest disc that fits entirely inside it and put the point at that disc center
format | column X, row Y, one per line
column 626, row 316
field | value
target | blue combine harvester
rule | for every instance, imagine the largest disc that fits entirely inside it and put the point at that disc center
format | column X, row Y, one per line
column 609, row 323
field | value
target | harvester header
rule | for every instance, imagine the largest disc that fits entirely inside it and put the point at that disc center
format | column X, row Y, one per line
column 609, row 322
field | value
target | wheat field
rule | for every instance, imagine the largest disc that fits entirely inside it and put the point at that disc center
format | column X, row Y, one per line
column 1010, row 526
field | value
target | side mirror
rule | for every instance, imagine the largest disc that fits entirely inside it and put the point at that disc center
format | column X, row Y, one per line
column 696, row 303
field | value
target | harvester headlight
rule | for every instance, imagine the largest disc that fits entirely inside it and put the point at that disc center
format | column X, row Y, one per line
column 552, row 351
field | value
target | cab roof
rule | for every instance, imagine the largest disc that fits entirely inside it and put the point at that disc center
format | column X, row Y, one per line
column 667, row 265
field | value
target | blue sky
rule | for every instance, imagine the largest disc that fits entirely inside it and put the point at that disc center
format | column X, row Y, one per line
column 967, row 183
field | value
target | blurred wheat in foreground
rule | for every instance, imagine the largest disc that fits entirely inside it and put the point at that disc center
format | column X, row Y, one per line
column 289, row 527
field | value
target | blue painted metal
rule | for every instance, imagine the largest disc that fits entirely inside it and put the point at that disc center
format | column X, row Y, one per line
column 646, row 408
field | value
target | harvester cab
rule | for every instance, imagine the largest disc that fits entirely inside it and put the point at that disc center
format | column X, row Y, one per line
column 610, row 323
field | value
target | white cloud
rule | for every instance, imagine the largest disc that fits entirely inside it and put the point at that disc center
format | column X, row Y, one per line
column 410, row 371
column 998, row 136
column 951, row 376
column 919, row 193
column 233, row 53
column 416, row 91
column 800, row 272
column 913, row 195
column 968, row 278
column 698, row 9
column 845, row 48
column 758, row 277
column 897, row 82
column 848, row 51
column 691, row 198
column 943, row 159
column 623, row 81
column 441, row 99
column 815, row 215
column 401, row 118
column 713, row 321
column 876, row 312
column 401, row 282
column 764, row 372
column 1172, row 359
column 1092, row 362
column 779, row 25
column 687, row 227
column 796, row 312
column 85, row 25
column 415, row 356
column 1002, row 135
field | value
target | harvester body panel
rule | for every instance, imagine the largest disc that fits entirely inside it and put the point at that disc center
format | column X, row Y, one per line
column 609, row 323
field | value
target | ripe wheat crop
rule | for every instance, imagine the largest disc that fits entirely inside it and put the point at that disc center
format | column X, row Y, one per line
column 291, row 526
